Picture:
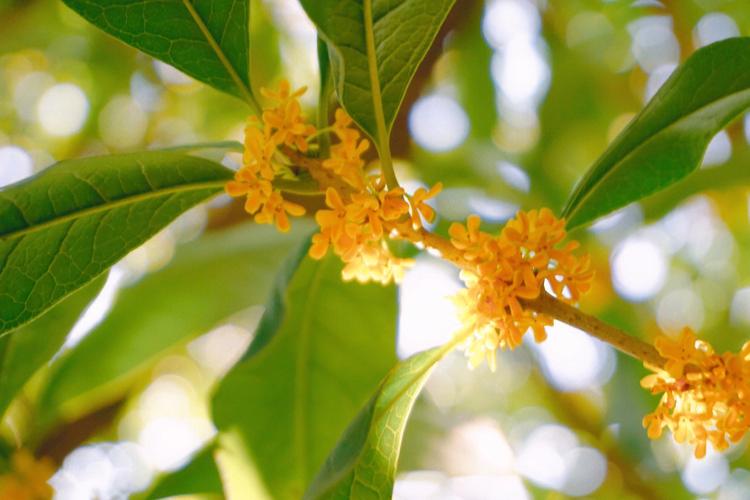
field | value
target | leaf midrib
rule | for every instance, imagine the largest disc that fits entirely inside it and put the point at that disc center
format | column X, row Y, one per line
column 246, row 93
column 377, row 416
column 110, row 205
column 642, row 144
column 372, row 69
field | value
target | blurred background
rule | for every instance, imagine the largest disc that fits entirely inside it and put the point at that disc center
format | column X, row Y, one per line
column 515, row 101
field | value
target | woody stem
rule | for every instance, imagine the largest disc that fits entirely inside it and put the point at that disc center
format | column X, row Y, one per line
column 546, row 304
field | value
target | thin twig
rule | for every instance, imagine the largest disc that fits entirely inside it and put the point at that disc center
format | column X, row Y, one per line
column 546, row 304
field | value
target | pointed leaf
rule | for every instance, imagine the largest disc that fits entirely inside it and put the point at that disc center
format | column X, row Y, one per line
column 363, row 464
column 208, row 281
column 29, row 347
column 321, row 347
column 65, row 226
column 207, row 39
column 376, row 47
column 667, row 140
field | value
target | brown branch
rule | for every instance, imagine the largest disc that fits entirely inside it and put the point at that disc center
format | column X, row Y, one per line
column 546, row 304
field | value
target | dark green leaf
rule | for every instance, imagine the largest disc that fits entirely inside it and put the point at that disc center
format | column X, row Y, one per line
column 208, row 281
column 24, row 351
column 667, row 140
column 65, row 226
column 207, row 39
column 363, row 464
column 321, row 347
column 376, row 47
column 199, row 477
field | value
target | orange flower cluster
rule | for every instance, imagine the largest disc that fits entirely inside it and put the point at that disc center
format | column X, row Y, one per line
column 705, row 396
column 361, row 212
column 359, row 218
column 27, row 479
column 282, row 125
column 502, row 271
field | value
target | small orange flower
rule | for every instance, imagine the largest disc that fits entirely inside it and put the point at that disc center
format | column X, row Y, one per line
column 275, row 211
column 247, row 184
column 346, row 161
column 420, row 208
column 285, row 121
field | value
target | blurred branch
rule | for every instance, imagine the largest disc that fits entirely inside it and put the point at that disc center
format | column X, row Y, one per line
column 70, row 435
column 572, row 415
column 459, row 16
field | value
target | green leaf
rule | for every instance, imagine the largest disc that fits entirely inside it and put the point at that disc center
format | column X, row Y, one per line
column 208, row 281
column 29, row 347
column 376, row 47
column 320, row 349
column 65, row 226
column 667, row 140
column 207, row 39
column 363, row 464
column 200, row 476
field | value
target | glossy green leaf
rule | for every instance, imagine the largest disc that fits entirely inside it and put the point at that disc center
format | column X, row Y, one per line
column 376, row 47
column 65, row 226
column 200, row 476
column 321, row 348
column 208, row 281
column 207, row 39
column 667, row 140
column 29, row 347
column 363, row 464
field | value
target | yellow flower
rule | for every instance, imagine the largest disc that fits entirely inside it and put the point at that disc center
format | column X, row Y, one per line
column 420, row 208
column 374, row 262
column 346, row 161
column 259, row 150
column 705, row 396
column 246, row 183
column 275, row 211
column 285, row 121
column 469, row 238
column 392, row 204
column 334, row 227
column 27, row 479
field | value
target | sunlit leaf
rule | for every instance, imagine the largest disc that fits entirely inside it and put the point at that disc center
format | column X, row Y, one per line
column 376, row 47
column 207, row 39
column 667, row 140
column 363, row 464
column 208, row 281
column 29, row 347
column 321, row 348
column 65, row 226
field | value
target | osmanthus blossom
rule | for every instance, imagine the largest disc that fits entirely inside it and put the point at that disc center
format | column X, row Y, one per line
column 705, row 396
column 362, row 213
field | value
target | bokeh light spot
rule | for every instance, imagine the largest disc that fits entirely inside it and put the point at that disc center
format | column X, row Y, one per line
column 438, row 123
column 62, row 109
column 639, row 268
column 15, row 165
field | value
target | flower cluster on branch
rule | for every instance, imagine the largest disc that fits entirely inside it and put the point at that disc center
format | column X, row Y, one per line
column 500, row 271
column 705, row 395
column 362, row 213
